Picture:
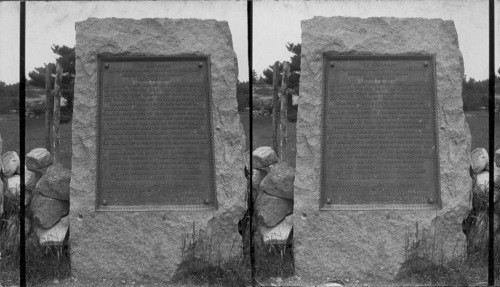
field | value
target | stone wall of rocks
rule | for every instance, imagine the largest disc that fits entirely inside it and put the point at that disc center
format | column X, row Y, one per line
column 272, row 183
column 46, row 196
column 475, row 226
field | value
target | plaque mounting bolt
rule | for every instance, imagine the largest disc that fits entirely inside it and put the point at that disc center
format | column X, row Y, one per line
column 430, row 200
column 104, row 202
column 200, row 64
column 426, row 64
column 106, row 65
column 329, row 201
column 332, row 64
column 206, row 201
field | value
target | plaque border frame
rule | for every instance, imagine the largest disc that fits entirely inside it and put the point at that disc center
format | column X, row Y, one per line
column 323, row 206
column 213, row 204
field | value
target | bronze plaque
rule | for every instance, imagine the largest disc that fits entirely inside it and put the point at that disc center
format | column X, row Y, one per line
column 380, row 146
column 155, row 134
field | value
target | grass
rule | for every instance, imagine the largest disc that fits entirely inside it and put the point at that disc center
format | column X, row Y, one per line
column 202, row 263
column 9, row 131
column 45, row 263
column 9, row 242
column 425, row 264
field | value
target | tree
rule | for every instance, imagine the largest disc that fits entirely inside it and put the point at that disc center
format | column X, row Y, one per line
column 242, row 95
column 67, row 60
column 294, row 78
column 474, row 94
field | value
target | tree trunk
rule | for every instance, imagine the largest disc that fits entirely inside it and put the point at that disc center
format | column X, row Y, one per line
column 57, row 112
column 276, row 107
column 283, row 116
column 49, row 108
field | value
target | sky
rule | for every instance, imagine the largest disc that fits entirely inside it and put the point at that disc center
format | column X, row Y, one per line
column 278, row 22
column 49, row 23
column 275, row 23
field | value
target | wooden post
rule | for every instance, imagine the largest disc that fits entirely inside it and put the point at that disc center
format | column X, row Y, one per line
column 283, row 115
column 49, row 108
column 57, row 112
column 276, row 106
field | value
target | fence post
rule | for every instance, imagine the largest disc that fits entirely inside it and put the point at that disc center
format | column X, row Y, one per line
column 284, row 106
column 57, row 112
column 49, row 108
column 276, row 107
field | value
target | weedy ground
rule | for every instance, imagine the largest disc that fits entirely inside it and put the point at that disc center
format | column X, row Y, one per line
column 200, row 266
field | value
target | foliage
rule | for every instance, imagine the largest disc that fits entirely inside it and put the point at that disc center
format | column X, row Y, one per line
column 67, row 61
column 202, row 263
column 9, row 238
column 474, row 94
column 45, row 263
column 242, row 95
column 9, row 97
column 294, row 78
column 257, row 79
column 425, row 263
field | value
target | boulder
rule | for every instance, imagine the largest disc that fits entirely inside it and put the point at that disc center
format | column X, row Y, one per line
column 48, row 211
column 481, row 191
column 497, row 157
column 257, row 177
column 10, row 163
column 38, row 158
column 479, row 160
column 263, row 157
column 31, row 178
column 279, row 180
column 271, row 209
column 55, row 182
column 279, row 234
column 27, row 226
column 1, row 198
column 54, row 235
column 28, row 196
column 13, row 186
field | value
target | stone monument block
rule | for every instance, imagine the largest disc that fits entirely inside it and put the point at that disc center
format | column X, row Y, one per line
column 158, row 146
column 382, row 144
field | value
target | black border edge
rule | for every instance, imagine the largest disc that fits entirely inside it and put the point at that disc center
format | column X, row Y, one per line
column 22, row 144
column 491, row 144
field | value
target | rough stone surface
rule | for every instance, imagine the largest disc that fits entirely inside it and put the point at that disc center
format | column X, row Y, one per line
column 263, row 157
column 497, row 157
column 482, row 189
column 142, row 244
column 371, row 243
column 271, row 209
column 31, row 178
column 13, row 186
column 279, row 181
column 38, row 158
column 10, row 163
column 479, row 160
column 48, row 211
column 1, row 197
column 55, row 182
column 280, row 234
column 54, row 235
column 257, row 177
